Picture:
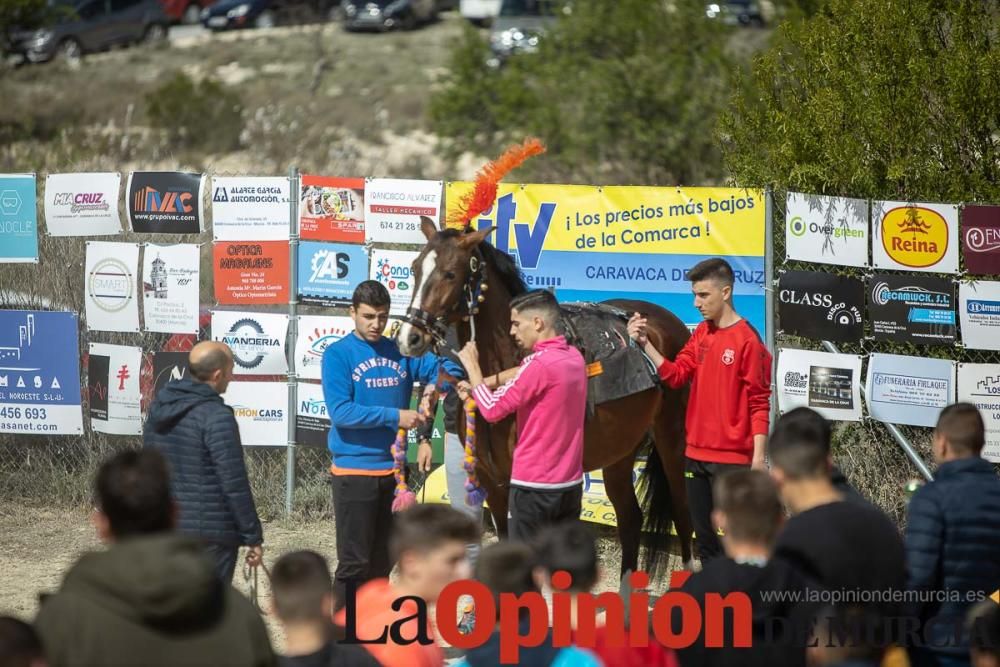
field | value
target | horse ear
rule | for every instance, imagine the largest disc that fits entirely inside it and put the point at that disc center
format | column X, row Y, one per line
column 428, row 227
column 471, row 239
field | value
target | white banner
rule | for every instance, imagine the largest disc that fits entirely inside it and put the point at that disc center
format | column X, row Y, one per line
column 170, row 288
column 250, row 208
column 110, row 289
column 113, row 373
column 316, row 332
column 979, row 314
column 393, row 269
column 828, row 230
column 261, row 410
column 909, row 390
column 828, row 383
column 256, row 339
column 915, row 237
column 393, row 208
column 979, row 384
column 82, row 204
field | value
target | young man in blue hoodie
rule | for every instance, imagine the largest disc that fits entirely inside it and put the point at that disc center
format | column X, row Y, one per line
column 367, row 385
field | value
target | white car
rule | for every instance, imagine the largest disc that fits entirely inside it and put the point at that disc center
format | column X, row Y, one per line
column 479, row 12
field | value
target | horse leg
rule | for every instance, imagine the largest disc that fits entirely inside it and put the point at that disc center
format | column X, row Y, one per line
column 497, row 497
column 668, row 434
column 621, row 492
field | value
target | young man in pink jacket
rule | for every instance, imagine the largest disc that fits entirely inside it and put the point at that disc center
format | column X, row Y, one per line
column 549, row 396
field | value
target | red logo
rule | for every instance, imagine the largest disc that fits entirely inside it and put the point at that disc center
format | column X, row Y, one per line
column 122, row 376
column 729, row 356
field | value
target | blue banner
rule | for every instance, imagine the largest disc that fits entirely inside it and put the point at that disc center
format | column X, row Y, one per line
column 329, row 272
column 18, row 219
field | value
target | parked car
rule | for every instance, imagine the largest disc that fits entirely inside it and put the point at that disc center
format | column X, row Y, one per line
column 479, row 12
column 387, row 14
column 231, row 14
column 185, row 11
column 520, row 25
column 92, row 25
column 741, row 12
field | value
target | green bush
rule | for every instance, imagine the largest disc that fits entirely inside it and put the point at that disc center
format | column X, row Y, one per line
column 205, row 114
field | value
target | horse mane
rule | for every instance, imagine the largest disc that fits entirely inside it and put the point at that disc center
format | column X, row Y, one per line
column 502, row 263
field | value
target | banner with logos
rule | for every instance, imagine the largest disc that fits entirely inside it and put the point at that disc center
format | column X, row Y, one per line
column 912, row 309
column 250, row 273
column 915, row 236
column 979, row 384
column 909, row 390
column 261, row 410
column 82, row 204
column 979, row 312
column 828, row 383
column 256, row 339
column 826, row 230
column 315, row 334
column 329, row 272
column 18, row 219
column 113, row 386
column 821, row 305
column 981, row 239
column 332, row 209
column 393, row 208
column 168, row 366
column 250, row 208
column 40, row 373
column 110, row 293
column 170, row 288
column 312, row 423
column 394, row 269
column 165, row 202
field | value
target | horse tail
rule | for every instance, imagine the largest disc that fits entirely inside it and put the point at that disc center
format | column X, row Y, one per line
column 657, row 509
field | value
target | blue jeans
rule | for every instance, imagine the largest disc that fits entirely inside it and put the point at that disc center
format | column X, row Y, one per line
column 454, row 454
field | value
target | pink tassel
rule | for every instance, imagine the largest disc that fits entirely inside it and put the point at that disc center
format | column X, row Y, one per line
column 404, row 501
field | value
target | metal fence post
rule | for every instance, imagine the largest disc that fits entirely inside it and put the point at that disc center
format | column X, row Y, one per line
column 769, row 315
column 293, row 333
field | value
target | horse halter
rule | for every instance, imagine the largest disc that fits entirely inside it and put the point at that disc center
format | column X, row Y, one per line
column 473, row 294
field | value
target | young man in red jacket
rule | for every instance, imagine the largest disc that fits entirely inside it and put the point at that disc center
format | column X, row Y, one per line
column 728, row 409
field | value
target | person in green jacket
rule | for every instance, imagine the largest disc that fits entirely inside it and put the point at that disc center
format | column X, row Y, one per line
column 152, row 597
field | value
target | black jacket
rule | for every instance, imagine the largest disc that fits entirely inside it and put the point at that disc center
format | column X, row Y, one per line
column 197, row 433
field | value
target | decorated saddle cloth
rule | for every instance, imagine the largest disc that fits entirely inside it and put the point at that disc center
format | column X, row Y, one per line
column 616, row 368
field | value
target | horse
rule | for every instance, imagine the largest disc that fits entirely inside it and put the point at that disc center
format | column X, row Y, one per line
column 460, row 279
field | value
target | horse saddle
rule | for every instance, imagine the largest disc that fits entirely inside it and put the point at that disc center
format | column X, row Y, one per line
column 616, row 367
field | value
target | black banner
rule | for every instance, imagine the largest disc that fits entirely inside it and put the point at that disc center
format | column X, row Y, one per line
column 312, row 425
column 98, row 372
column 164, row 202
column 168, row 366
column 912, row 309
column 821, row 305
column 831, row 387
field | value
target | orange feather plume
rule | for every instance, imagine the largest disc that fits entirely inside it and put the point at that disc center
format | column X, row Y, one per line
column 484, row 193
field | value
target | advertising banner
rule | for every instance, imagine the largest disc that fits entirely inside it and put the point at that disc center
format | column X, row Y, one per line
column 332, row 209
column 909, row 390
column 593, row 244
column 826, row 230
column 82, row 204
column 979, row 384
column 168, row 366
column 110, row 292
column 251, row 273
column 39, row 373
column 170, row 287
column 394, row 269
column 329, row 272
column 393, row 208
column 256, row 339
column 912, row 309
column 312, row 423
column 113, row 386
column 828, row 383
column 315, row 334
column 981, row 239
column 915, row 237
column 821, row 305
column 250, row 208
column 18, row 219
column 979, row 311
column 261, row 410
column 165, row 202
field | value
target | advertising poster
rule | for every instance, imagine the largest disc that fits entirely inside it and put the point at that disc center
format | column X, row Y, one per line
column 826, row 230
column 18, row 219
column 981, row 239
column 82, row 204
column 251, row 273
column 909, row 390
column 165, row 202
column 821, row 305
column 256, row 339
column 394, row 269
column 170, row 288
column 915, row 237
column 828, row 383
column 113, row 386
column 250, row 208
column 979, row 384
column 332, row 209
column 315, row 334
column 312, row 423
column 979, row 312
column 393, row 208
column 110, row 290
column 261, row 410
column 329, row 272
column 39, row 373
column 592, row 243
column 912, row 309
column 168, row 366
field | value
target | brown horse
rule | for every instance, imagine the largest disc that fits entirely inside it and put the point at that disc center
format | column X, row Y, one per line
column 461, row 279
